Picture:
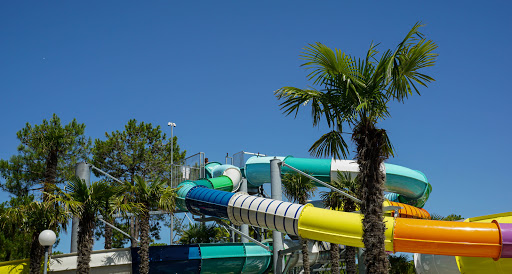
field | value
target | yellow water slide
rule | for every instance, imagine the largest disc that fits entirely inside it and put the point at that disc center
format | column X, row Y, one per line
column 479, row 243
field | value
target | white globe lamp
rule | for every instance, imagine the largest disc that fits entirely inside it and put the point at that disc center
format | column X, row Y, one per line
column 47, row 238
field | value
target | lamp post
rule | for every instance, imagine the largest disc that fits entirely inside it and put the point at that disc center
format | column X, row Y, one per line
column 46, row 238
column 172, row 125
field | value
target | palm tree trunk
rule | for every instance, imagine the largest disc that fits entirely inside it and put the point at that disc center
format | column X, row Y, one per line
column 350, row 260
column 305, row 256
column 335, row 258
column 85, row 242
column 134, row 230
column 108, row 236
column 350, row 251
column 144, row 243
column 36, row 254
column 371, row 153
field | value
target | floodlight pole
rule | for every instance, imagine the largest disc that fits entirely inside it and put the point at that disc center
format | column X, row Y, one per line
column 172, row 125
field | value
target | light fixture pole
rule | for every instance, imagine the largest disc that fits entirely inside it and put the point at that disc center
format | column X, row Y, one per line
column 46, row 238
column 172, row 125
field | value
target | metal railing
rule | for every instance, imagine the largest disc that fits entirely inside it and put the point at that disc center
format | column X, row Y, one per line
column 323, row 184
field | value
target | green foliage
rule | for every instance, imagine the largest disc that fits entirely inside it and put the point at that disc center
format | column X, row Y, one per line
column 155, row 195
column 24, row 220
column 47, row 154
column 345, row 183
column 85, row 202
column 356, row 89
column 202, row 233
column 355, row 92
column 297, row 187
column 158, row 244
column 150, row 195
column 118, row 239
column 14, row 243
column 451, row 217
column 400, row 264
column 81, row 199
column 179, row 226
column 140, row 150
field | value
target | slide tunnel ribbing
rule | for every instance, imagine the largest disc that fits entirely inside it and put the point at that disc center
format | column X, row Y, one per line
column 262, row 212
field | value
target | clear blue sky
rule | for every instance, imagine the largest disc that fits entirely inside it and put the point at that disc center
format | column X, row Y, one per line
column 212, row 66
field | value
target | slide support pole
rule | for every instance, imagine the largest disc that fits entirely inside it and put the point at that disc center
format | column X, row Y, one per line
column 276, row 194
column 360, row 261
column 244, row 228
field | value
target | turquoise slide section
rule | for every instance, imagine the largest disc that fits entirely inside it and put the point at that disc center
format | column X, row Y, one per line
column 405, row 181
column 206, row 258
column 405, row 185
column 257, row 170
column 319, row 168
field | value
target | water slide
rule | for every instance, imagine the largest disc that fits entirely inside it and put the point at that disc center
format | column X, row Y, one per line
column 490, row 238
column 434, row 264
column 406, row 185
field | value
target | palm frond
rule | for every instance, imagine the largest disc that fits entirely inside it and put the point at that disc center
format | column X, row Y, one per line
column 167, row 200
column 330, row 144
column 297, row 187
column 325, row 63
column 295, row 98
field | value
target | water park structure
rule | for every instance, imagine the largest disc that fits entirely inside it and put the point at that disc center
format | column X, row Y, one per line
column 229, row 193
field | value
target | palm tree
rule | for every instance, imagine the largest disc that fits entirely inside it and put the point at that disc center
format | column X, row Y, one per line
column 355, row 93
column 400, row 264
column 299, row 188
column 115, row 203
column 85, row 202
column 33, row 218
column 336, row 201
column 149, row 196
column 199, row 233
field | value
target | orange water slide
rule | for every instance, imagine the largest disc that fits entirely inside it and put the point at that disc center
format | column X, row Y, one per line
column 407, row 235
column 447, row 238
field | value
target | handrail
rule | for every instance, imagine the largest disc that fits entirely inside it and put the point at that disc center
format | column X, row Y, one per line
column 122, row 232
column 323, row 184
column 242, row 234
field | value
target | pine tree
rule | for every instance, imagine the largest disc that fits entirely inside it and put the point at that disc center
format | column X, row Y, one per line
column 47, row 155
column 140, row 150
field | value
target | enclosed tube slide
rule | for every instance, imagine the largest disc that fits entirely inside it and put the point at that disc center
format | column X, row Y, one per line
column 402, row 235
column 493, row 240
column 430, row 264
column 407, row 186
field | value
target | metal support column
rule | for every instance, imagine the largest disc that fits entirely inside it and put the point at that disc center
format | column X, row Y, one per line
column 360, row 261
column 172, row 228
column 244, row 228
column 82, row 171
column 276, row 194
